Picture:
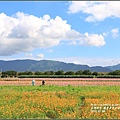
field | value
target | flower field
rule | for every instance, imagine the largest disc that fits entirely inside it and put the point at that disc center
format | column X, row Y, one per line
column 50, row 101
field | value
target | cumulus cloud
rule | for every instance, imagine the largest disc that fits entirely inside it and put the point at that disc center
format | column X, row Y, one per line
column 115, row 32
column 23, row 33
column 96, row 10
column 93, row 39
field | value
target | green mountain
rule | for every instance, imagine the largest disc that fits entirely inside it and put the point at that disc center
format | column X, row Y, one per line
column 47, row 65
column 114, row 67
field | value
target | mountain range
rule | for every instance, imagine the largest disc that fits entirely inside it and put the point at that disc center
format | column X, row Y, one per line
column 49, row 65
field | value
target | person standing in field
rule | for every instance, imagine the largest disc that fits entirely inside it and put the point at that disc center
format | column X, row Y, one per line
column 43, row 82
column 33, row 82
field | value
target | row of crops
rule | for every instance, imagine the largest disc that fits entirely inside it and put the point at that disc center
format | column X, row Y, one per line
column 69, row 76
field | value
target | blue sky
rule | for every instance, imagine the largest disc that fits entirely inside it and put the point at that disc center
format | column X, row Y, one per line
column 74, row 32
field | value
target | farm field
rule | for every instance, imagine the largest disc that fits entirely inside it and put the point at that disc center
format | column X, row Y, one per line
column 61, row 81
column 51, row 101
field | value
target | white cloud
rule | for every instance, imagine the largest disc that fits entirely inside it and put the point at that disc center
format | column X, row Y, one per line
column 93, row 39
column 50, row 51
column 29, row 55
column 96, row 10
column 105, row 34
column 90, row 61
column 33, row 56
column 73, row 43
column 23, row 33
column 115, row 32
column 40, row 55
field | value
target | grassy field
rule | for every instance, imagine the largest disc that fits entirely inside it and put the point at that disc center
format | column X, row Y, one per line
column 93, row 102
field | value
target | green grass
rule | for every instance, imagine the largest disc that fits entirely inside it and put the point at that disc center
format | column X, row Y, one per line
column 68, row 88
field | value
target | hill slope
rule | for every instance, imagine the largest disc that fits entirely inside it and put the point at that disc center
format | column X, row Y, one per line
column 114, row 67
column 47, row 65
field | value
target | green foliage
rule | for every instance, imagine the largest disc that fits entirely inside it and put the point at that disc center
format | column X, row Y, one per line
column 68, row 89
column 95, row 73
column 48, row 73
column 56, row 76
column 69, row 73
column 68, row 109
column 116, row 72
column 87, row 72
column 79, row 72
column 38, row 73
column 59, row 72
column 108, row 76
column 10, row 73
column 82, row 98
column 52, row 114
column 25, row 73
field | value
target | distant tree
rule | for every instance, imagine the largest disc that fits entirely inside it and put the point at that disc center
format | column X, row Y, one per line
column 60, row 72
column 38, row 73
column 4, row 74
column 79, row 72
column 95, row 73
column 29, row 73
column 21, row 73
column 116, row 72
column 110, row 73
column 48, row 73
column 9, row 74
column 25, row 73
column 52, row 72
column 87, row 72
column 70, row 73
column 102, row 73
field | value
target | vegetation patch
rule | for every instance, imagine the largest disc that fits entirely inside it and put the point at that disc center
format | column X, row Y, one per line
column 43, row 102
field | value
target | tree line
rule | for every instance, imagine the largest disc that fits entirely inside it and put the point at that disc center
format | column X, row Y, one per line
column 59, row 72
